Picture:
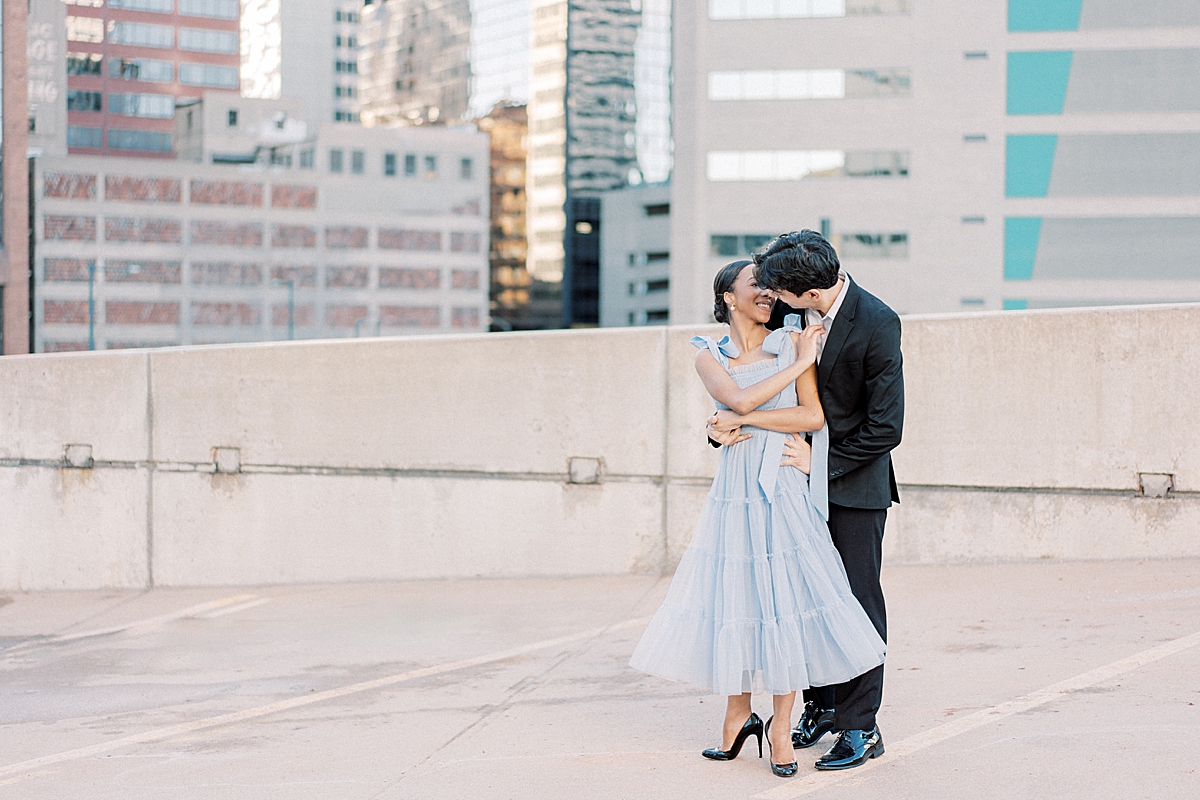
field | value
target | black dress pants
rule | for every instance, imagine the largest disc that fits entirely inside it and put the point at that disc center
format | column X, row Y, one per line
column 858, row 536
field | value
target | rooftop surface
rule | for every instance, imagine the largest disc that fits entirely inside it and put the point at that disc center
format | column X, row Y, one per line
column 1051, row 679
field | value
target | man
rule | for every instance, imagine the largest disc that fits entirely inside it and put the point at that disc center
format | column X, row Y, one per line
column 861, row 385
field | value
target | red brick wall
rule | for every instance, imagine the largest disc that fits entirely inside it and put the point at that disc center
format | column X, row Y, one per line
column 402, row 278
column 305, row 277
column 347, row 277
column 131, row 229
column 225, row 314
column 67, row 228
column 232, row 234
column 66, row 269
column 70, row 185
column 129, row 312
column 410, row 316
column 344, row 316
column 464, row 279
column 225, row 273
column 293, row 196
column 226, row 193
column 465, row 242
column 143, row 271
column 65, row 312
column 339, row 237
column 464, row 317
column 142, row 190
column 305, row 315
column 293, row 236
column 397, row 239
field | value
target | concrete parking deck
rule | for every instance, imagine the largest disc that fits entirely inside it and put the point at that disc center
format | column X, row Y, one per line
column 1066, row 680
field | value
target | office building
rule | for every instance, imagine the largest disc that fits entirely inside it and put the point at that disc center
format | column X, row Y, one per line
column 15, row 325
column 268, row 230
column 305, row 50
column 1020, row 154
column 635, row 256
column 129, row 61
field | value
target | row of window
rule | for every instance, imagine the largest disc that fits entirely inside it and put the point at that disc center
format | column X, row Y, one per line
column 391, row 162
column 215, row 9
column 638, row 288
column 154, row 70
column 346, row 66
column 149, row 106
column 346, row 16
column 852, row 245
column 81, row 136
column 350, row 42
column 144, row 34
column 795, row 9
column 794, row 165
column 808, row 84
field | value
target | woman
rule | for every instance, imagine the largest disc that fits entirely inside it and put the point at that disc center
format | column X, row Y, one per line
column 760, row 601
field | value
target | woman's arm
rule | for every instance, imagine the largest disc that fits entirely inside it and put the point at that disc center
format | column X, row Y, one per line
column 798, row 419
column 724, row 389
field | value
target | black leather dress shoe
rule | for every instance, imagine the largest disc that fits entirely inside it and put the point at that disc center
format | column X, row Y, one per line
column 814, row 723
column 852, row 749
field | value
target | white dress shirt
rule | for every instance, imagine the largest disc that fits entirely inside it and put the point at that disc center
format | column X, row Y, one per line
column 814, row 317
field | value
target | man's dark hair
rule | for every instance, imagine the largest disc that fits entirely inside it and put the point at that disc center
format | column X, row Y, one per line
column 796, row 262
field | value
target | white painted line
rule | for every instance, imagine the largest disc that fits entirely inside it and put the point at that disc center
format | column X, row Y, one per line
column 160, row 734
column 220, row 612
column 820, row 780
column 191, row 611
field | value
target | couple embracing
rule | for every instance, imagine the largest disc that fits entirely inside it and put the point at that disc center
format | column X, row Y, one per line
column 779, row 589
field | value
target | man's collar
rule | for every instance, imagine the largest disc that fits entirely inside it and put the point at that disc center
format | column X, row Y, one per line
column 837, row 302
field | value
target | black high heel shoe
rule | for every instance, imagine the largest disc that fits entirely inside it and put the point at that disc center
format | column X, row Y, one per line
column 782, row 770
column 753, row 727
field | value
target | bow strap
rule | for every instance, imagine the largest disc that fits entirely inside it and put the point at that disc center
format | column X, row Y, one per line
column 721, row 351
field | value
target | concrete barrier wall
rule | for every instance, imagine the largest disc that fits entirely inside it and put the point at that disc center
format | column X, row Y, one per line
column 450, row 456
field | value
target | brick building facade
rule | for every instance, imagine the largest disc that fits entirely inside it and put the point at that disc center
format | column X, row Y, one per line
column 177, row 253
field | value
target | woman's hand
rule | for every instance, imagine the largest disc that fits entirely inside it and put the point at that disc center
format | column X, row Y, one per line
column 727, row 438
column 725, row 420
column 797, row 453
column 806, row 345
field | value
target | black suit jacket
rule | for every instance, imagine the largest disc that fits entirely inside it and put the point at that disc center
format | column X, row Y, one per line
column 860, row 381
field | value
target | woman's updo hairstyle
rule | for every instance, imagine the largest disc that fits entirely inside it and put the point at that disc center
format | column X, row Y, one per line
column 723, row 283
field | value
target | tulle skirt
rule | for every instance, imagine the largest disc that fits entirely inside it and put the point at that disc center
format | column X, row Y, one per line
column 760, row 601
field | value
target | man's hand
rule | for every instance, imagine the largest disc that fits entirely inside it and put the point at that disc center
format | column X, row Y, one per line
column 796, row 453
column 728, row 437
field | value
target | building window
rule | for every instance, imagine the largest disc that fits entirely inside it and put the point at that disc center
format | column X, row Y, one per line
column 346, row 66
column 410, row 166
column 80, row 136
column 307, row 159
column 141, row 34
column 345, row 116
column 430, row 166
column 83, row 64
column 139, row 140
column 85, row 29
column 344, row 91
column 150, row 70
column 358, row 160
column 84, row 101
column 727, row 245
column 808, row 84
column 389, row 164
column 466, row 168
column 149, row 106
column 350, row 42
column 203, row 40
column 335, row 161
column 345, row 16
column 792, row 9
column 874, row 245
column 208, row 75
column 153, row 6
column 658, row 257
column 658, row 210
column 216, row 9
column 794, row 165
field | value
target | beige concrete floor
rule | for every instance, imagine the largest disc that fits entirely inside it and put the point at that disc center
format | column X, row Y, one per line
column 127, row 711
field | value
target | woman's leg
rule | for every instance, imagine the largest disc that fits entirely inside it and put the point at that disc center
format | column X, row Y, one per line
column 737, row 711
column 781, row 729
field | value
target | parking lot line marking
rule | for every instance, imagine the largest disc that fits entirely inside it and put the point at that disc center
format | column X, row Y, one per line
column 159, row 734
column 820, row 780
column 191, row 611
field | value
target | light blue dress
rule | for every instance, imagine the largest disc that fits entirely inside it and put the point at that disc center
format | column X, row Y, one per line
column 760, row 601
